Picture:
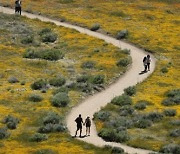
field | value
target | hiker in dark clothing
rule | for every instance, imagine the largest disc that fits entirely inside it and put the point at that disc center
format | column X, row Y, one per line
column 87, row 123
column 18, row 6
column 79, row 122
column 145, row 64
column 148, row 62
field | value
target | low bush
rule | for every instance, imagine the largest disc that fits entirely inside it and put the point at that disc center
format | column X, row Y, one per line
column 13, row 79
column 35, row 98
column 98, row 79
column 164, row 70
column 88, row 64
column 175, row 133
column 122, row 34
column 38, row 137
column 95, row 27
column 126, row 51
column 38, row 85
column 3, row 133
column 126, row 110
column 11, row 122
column 83, row 78
column 143, row 123
column 47, row 35
column 118, row 14
column 61, row 90
column 60, row 100
column 84, row 87
column 173, row 93
column 170, row 149
column 102, row 115
column 175, row 122
column 48, row 54
column 168, row 102
column 120, row 122
column 123, row 62
column 122, row 100
column 112, row 136
column 170, row 112
column 154, row 116
column 140, row 105
column 117, row 150
column 57, row 82
column 52, row 123
column 27, row 40
column 130, row 90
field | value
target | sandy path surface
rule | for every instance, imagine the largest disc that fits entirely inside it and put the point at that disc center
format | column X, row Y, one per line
column 94, row 103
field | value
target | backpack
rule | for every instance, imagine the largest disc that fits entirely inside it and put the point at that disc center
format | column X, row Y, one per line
column 144, row 59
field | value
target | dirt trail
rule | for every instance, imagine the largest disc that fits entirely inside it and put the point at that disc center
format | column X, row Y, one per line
column 94, row 103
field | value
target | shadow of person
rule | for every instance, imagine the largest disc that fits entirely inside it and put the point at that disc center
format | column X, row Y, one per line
column 83, row 136
column 142, row 72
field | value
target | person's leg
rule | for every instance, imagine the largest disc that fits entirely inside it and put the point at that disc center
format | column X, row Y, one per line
column 76, row 131
column 89, row 131
column 148, row 65
column 80, row 132
column 86, row 131
column 20, row 10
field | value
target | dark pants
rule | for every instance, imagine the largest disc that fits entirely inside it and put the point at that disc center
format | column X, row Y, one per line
column 145, row 68
column 18, row 10
column 148, row 66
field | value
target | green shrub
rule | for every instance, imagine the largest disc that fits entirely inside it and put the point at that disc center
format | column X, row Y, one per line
column 102, row 115
column 61, row 90
column 11, row 122
column 126, row 51
column 27, row 40
column 120, row 122
column 130, row 90
column 117, row 150
column 52, row 123
column 83, row 78
column 60, row 100
column 126, row 110
column 170, row 149
column 168, row 102
column 123, row 62
column 35, row 98
column 38, row 85
column 175, row 122
column 173, row 93
column 57, row 82
column 164, row 70
column 47, row 54
column 13, row 79
column 122, row 100
column 122, row 34
column 3, row 133
column 47, row 35
column 175, row 133
column 118, row 14
column 154, row 116
column 84, row 87
column 140, row 105
column 45, row 31
column 170, row 112
column 98, row 79
column 52, row 118
column 112, row 136
column 95, row 27
column 38, row 137
column 88, row 64
column 143, row 123
column 23, row 83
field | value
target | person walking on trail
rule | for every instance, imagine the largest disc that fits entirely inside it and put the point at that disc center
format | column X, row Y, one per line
column 18, row 6
column 145, row 64
column 79, row 122
column 87, row 123
column 148, row 62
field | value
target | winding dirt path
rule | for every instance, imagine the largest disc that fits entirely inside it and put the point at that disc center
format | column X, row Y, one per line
column 94, row 103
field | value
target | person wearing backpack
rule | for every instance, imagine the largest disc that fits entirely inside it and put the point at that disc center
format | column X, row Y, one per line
column 145, row 64
column 79, row 122
column 18, row 6
column 87, row 123
column 148, row 62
